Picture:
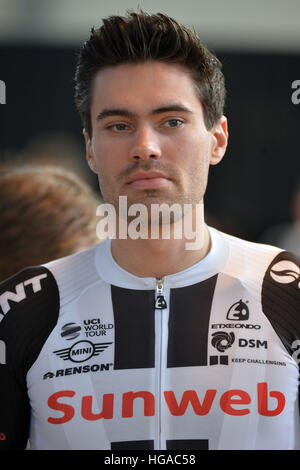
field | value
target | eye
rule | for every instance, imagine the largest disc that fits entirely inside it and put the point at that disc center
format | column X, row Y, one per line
column 173, row 123
column 118, row 127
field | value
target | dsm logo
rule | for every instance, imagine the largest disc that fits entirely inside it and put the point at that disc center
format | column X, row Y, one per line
column 221, row 340
column 238, row 311
column 81, row 351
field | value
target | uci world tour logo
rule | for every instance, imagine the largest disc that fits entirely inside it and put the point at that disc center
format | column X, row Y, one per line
column 70, row 331
column 285, row 272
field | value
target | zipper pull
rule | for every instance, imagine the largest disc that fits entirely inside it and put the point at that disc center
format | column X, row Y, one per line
column 160, row 302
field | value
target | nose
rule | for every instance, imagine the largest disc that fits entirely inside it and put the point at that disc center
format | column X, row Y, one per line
column 145, row 145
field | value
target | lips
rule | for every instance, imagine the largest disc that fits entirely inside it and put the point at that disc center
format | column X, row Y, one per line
column 143, row 175
column 148, row 179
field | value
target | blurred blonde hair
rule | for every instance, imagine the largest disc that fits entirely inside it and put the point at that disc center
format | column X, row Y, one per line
column 46, row 213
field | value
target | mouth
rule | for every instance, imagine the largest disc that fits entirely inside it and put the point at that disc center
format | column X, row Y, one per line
column 148, row 179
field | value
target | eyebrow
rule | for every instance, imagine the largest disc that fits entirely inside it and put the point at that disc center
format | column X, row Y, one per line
column 125, row 112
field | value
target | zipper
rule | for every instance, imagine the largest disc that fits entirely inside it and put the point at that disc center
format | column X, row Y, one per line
column 160, row 304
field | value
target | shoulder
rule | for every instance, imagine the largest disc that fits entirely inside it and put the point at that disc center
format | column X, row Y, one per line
column 281, row 293
column 32, row 300
column 75, row 273
column 47, row 288
column 249, row 255
column 248, row 261
column 30, row 286
column 29, row 309
column 273, row 275
column 270, row 266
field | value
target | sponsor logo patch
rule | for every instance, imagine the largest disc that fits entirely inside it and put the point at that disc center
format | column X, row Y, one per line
column 81, row 351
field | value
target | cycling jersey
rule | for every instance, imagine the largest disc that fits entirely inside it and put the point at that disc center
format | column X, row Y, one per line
column 94, row 357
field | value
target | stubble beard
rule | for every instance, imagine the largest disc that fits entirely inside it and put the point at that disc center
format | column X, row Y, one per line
column 184, row 200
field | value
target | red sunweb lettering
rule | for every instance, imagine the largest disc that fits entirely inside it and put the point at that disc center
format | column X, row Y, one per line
column 227, row 400
column 262, row 400
column 127, row 406
column 268, row 404
column 107, row 407
column 190, row 396
column 68, row 410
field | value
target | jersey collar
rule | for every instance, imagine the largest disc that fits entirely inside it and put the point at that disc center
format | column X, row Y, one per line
column 213, row 263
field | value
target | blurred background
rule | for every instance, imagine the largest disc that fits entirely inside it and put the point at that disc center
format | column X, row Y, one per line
column 254, row 192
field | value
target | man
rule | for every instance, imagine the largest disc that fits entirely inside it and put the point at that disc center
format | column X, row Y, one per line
column 146, row 342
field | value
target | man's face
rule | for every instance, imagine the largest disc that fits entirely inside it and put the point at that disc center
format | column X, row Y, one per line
column 147, row 117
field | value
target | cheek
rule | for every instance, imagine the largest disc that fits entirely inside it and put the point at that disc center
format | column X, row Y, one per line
column 106, row 158
column 191, row 143
column 192, row 152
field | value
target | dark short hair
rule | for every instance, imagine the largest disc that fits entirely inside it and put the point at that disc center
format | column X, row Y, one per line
column 139, row 37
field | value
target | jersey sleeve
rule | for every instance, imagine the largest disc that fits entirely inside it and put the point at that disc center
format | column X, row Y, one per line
column 281, row 302
column 281, row 298
column 29, row 308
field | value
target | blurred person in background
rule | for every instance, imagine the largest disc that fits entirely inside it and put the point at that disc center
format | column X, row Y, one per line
column 56, row 149
column 45, row 213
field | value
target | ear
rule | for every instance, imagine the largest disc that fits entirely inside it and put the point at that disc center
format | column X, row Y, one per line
column 89, row 152
column 219, row 140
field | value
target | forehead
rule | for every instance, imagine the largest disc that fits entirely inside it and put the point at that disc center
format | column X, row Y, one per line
column 143, row 85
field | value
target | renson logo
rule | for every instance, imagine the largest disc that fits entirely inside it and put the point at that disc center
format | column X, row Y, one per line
column 189, row 399
column 20, row 292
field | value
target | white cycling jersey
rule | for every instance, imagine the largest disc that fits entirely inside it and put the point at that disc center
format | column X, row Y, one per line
column 97, row 358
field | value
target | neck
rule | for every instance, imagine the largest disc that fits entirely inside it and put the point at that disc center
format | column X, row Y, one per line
column 161, row 257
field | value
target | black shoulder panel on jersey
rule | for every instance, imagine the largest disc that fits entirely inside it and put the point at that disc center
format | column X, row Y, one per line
column 29, row 308
column 281, row 297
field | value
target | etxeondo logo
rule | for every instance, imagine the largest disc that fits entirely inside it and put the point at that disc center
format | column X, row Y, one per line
column 238, row 311
column 190, row 397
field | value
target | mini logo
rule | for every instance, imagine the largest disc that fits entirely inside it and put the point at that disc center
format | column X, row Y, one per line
column 70, row 331
column 81, row 351
column 2, row 436
column 238, row 311
column 222, row 340
column 285, row 272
